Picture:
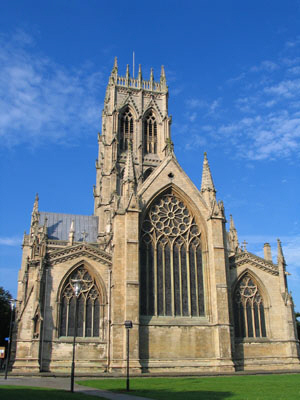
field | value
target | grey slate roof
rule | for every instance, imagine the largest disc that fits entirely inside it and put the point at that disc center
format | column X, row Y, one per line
column 59, row 226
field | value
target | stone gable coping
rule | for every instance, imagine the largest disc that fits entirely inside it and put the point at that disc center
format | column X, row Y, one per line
column 66, row 254
column 249, row 258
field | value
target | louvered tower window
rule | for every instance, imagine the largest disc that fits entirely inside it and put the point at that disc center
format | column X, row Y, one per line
column 126, row 129
column 249, row 314
column 150, row 134
column 90, row 307
column 171, row 261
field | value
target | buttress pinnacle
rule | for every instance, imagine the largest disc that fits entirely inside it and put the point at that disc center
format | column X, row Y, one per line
column 207, row 182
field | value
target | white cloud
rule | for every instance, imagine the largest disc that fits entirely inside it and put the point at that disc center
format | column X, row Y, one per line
column 41, row 100
column 10, row 241
column 266, row 65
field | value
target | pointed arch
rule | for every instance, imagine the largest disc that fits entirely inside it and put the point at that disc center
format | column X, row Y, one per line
column 249, row 306
column 150, row 127
column 172, row 281
column 90, row 303
column 126, row 127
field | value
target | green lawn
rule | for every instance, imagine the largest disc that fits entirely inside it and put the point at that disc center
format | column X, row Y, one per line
column 263, row 387
column 37, row 393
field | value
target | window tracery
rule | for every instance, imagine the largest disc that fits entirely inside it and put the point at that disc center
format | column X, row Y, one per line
column 249, row 310
column 150, row 134
column 171, row 261
column 90, row 307
column 126, row 129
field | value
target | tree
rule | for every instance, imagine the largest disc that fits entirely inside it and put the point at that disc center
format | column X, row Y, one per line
column 5, row 311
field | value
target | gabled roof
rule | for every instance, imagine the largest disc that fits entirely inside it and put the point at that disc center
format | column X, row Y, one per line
column 58, row 226
column 249, row 258
column 77, row 251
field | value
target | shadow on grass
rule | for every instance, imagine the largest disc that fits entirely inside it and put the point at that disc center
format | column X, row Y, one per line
column 184, row 395
column 36, row 393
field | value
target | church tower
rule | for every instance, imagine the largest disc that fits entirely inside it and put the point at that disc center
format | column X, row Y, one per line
column 135, row 132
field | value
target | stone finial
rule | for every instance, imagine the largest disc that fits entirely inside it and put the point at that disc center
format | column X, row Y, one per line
column 280, row 256
column 151, row 75
column 140, row 72
column 169, row 146
column 207, row 184
column 163, row 81
column 127, row 71
column 162, row 74
column 233, row 236
column 71, row 233
column 267, row 252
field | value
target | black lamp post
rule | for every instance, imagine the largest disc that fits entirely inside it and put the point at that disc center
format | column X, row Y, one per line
column 128, row 326
column 77, row 290
column 12, row 307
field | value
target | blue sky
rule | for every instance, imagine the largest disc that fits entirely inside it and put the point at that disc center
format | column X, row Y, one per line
column 233, row 70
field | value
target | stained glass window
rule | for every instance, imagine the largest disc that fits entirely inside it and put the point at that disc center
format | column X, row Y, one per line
column 90, row 307
column 249, row 314
column 171, row 261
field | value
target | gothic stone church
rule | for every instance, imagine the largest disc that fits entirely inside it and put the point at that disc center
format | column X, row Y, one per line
column 155, row 252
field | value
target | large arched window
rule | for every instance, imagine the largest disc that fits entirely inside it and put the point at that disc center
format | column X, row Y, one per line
column 126, row 129
column 249, row 314
column 150, row 134
column 90, row 307
column 171, row 260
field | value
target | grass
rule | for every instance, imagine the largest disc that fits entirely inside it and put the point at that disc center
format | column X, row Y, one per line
column 251, row 387
column 9, row 392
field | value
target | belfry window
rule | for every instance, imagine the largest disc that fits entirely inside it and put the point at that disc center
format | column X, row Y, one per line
column 171, row 261
column 249, row 314
column 126, row 129
column 90, row 307
column 150, row 134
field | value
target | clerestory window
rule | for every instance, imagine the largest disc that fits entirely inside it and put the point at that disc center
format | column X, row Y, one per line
column 249, row 314
column 90, row 307
column 150, row 134
column 171, row 261
column 126, row 129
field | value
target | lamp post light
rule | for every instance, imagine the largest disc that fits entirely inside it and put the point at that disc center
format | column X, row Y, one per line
column 12, row 308
column 77, row 290
column 128, row 326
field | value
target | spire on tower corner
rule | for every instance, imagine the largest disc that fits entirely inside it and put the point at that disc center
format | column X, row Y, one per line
column 36, row 204
column 115, row 67
column 207, row 182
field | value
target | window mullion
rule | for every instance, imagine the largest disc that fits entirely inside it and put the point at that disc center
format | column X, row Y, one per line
column 172, row 279
column 188, row 277
column 196, row 279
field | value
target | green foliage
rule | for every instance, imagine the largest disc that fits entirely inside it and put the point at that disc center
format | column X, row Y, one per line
column 248, row 387
column 37, row 393
column 5, row 311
